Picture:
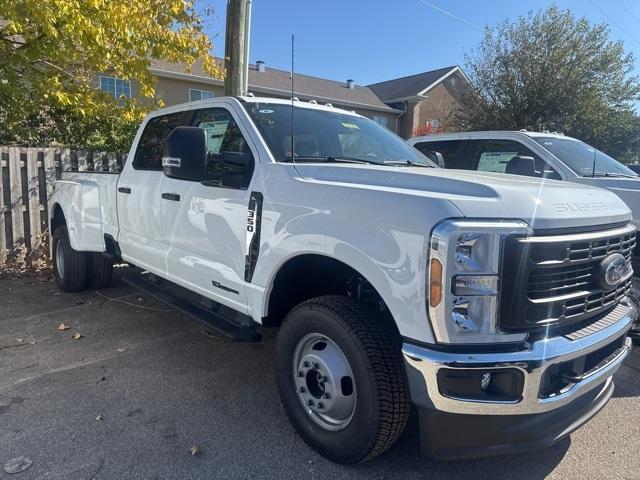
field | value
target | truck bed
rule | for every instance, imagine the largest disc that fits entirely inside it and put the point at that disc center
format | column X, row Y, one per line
column 92, row 197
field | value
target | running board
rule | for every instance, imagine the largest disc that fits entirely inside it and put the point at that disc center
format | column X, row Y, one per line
column 205, row 316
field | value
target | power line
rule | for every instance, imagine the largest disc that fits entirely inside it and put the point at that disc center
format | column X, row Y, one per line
column 449, row 14
column 629, row 11
column 469, row 24
column 615, row 23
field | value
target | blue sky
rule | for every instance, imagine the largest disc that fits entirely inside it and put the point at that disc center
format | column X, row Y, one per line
column 376, row 40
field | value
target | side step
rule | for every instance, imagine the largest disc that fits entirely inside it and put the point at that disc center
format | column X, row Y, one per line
column 205, row 316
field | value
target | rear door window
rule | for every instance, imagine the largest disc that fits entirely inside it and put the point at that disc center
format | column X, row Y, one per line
column 451, row 150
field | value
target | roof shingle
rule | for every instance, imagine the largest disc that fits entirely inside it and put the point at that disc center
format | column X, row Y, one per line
column 409, row 86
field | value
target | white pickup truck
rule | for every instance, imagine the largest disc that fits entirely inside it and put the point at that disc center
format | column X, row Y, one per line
column 495, row 304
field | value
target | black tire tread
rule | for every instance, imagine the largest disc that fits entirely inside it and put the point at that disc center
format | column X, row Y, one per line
column 382, row 352
column 99, row 270
column 75, row 266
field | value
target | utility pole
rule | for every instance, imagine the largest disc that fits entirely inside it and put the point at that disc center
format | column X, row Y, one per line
column 236, row 48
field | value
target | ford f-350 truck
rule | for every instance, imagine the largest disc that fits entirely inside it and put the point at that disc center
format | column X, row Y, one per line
column 489, row 302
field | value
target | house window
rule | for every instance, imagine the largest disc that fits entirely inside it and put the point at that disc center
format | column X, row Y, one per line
column 116, row 87
column 195, row 95
column 381, row 120
column 434, row 123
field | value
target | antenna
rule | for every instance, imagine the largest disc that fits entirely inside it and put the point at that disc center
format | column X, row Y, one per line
column 293, row 156
column 595, row 150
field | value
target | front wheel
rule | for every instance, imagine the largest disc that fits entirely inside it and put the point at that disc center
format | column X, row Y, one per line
column 341, row 379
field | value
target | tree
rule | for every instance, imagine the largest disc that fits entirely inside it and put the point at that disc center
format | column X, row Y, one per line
column 552, row 71
column 52, row 50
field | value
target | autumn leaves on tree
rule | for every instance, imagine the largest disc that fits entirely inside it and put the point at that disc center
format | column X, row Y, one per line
column 52, row 51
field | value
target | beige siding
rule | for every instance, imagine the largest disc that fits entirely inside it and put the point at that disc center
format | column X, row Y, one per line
column 174, row 91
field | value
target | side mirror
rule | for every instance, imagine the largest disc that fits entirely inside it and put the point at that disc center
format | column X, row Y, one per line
column 185, row 154
column 437, row 158
column 522, row 165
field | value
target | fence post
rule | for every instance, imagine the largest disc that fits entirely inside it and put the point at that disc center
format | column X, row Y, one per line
column 5, row 211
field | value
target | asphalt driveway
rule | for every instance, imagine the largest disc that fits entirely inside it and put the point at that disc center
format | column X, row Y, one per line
column 142, row 385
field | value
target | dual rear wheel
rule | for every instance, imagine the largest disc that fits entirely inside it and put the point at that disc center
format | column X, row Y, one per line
column 74, row 270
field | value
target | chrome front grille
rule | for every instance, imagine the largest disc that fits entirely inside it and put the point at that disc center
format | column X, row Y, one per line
column 550, row 280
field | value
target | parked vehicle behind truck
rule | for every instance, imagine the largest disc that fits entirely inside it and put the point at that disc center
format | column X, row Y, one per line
column 491, row 303
column 540, row 155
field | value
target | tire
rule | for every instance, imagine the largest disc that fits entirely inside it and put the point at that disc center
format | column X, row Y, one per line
column 69, row 265
column 99, row 270
column 380, row 406
column 636, row 341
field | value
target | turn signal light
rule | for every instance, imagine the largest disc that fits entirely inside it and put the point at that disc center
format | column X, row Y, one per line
column 435, row 282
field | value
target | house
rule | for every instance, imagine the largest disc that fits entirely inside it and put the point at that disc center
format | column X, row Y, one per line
column 428, row 98
column 401, row 104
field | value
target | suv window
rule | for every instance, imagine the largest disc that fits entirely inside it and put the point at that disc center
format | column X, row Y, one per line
column 149, row 152
column 496, row 155
column 223, row 138
column 451, row 151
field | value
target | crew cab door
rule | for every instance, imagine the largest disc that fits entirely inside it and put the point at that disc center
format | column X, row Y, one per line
column 204, row 224
column 139, row 207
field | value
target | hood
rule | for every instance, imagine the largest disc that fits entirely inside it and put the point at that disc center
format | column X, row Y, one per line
column 628, row 189
column 543, row 204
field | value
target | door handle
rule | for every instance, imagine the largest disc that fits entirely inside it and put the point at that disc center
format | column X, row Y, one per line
column 124, row 190
column 171, row 196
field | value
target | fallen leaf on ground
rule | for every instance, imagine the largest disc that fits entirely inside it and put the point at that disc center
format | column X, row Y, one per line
column 194, row 450
column 77, row 336
column 17, row 465
column 62, row 327
column 99, row 418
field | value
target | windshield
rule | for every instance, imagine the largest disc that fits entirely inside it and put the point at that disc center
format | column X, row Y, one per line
column 579, row 156
column 324, row 136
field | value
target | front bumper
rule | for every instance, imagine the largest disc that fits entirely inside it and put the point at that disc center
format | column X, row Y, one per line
column 533, row 364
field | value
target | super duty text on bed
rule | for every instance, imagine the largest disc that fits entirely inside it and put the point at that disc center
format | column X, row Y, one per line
column 479, row 298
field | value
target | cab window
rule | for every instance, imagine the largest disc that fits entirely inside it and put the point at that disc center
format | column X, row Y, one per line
column 230, row 162
column 150, row 147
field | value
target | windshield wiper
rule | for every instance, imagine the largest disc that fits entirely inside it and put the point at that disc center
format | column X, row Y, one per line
column 407, row 163
column 610, row 174
column 329, row 159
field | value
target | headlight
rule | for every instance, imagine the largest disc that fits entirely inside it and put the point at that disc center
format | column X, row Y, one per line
column 464, row 279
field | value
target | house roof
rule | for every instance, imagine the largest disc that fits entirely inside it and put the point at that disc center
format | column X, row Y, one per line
column 278, row 82
column 412, row 85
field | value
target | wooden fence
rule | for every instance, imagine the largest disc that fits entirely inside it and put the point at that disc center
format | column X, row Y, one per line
column 26, row 185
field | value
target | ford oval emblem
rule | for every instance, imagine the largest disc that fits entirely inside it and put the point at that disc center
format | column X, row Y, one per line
column 614, row 269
